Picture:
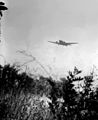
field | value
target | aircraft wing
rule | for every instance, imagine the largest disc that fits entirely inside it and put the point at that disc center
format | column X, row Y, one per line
column 53, row 42
column 70, row 43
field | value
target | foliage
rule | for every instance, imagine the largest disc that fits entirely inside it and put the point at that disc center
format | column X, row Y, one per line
column 21, row 96
column 2, row 8
column 17, row 95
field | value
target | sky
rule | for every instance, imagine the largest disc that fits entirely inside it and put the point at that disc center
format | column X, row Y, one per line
column 29, row 25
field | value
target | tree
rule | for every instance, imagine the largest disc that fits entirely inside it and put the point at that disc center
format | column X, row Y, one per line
column 2, row 8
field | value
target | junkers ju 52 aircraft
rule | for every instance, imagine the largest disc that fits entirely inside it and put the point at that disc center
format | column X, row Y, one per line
column 61, row 42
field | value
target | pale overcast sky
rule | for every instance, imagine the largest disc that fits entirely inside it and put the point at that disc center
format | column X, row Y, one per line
column 29, row 24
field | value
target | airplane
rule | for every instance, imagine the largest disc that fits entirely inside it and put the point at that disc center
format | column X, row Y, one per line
column 61, row 42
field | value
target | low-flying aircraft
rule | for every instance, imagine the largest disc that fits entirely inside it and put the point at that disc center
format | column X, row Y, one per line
column 61, row 42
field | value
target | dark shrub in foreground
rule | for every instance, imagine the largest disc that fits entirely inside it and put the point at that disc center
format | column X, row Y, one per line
column 21, row 96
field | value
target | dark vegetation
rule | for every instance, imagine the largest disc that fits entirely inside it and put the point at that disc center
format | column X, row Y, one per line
column 71, row 98
column 2, row 8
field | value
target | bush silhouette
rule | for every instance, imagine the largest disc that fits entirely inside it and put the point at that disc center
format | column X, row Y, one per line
column 21, row 96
